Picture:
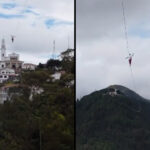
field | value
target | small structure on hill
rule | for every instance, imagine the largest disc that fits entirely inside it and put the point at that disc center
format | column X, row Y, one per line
column 57, row 75
column 29, row 66
column 69, row 53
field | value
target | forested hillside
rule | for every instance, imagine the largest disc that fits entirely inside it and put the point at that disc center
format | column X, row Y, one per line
column 114, row 118
column 40, row 113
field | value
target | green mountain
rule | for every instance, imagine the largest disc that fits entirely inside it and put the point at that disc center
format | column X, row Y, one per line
column 115, row 118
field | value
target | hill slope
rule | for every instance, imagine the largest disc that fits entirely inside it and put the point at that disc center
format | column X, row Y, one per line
column 39, row 114
column 114, row 118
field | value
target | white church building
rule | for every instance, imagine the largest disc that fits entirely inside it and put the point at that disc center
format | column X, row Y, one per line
column 10, row 66
column 11, row 61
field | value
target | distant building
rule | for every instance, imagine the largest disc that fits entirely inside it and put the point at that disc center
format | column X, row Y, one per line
column 113, row 93
column 57, row 75
column 11, row 66
column 3, row 78
column 29, row 66
column 11, row 61
column 68, row 53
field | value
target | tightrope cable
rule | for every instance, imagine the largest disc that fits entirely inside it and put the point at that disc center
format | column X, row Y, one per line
column 125, row 27
column 133, row 81
column 127, row 42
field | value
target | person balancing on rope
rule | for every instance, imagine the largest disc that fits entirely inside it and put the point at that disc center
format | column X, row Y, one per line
column 12, row 38
column 130, row 58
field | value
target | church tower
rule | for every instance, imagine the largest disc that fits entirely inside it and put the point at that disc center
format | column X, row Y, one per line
column 3, row 50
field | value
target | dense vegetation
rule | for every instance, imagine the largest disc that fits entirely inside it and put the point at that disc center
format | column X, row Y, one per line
column 47, row 121
column 106, row 122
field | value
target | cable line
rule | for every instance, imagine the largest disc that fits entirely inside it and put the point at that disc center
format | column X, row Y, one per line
column 125, row 27
column 129, row 53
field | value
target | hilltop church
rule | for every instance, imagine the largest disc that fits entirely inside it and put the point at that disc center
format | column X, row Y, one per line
column 11, row 61
column 11, row 66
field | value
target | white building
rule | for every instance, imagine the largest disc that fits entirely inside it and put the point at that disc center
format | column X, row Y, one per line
column 10, row 65
column 3, row 78
column 7, row 71
column 57, row 75
column 11, row 61
column 29, row 66
column 68, row 53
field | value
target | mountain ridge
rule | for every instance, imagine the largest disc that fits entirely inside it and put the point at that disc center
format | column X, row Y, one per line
column 114, row 118
column 124, row 90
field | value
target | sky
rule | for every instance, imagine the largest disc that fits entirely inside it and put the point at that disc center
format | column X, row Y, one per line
column 35, row 25
column 101, row 45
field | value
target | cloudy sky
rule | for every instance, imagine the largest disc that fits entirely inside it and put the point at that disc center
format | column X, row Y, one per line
column 101, row 45
column 35, row 24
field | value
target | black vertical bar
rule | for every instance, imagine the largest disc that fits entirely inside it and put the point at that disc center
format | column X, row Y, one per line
column 75, row 74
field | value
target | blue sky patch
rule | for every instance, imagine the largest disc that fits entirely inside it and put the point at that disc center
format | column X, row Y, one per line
column 31, row 12
column 49, row 23
column 10, row 16
column 139, row 32
column 51, row 56
column 8, row 5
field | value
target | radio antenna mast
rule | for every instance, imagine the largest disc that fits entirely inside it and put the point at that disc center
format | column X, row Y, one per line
column 53, row 50
column 68, row 41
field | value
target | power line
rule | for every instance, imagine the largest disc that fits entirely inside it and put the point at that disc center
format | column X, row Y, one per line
column 133, row 81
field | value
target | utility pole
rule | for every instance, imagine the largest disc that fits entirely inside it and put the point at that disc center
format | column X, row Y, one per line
column 40, row 134
column 40, row 140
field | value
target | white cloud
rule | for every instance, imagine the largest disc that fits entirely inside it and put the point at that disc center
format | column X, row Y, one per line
column 101, row 46
column 33, row 39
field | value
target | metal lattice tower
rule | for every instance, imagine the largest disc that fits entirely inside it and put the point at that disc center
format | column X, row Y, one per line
column 53, row 55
